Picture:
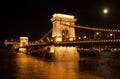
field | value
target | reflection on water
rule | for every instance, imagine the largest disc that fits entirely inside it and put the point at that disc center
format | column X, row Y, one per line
column 66, row 53
column 21, row 66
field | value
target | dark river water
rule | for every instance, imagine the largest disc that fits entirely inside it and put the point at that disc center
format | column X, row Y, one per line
column 22, row 66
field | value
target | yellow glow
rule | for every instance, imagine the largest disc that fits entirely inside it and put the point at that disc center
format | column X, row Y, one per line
column 111, row 34
column 105, row 11
column 58, row 39
column 63, row 15
column 79, row 37
column 66, row 53
column 23, row 37
column 71, row 39
column 97, row 33
column 85, row 37
column 52, row 49
column 58, row 35
column 23, row 50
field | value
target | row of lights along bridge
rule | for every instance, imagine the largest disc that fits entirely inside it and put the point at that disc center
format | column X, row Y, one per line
column 93, row 36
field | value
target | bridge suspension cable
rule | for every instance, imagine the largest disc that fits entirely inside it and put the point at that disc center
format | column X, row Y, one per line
column 46, row 34
column 91, row 28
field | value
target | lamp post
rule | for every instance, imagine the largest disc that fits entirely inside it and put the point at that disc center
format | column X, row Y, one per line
column 85, row 37
column 97, row 35
column 111, row 36
column 78, row 38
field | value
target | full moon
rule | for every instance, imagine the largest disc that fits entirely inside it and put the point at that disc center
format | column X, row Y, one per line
column 105, row 11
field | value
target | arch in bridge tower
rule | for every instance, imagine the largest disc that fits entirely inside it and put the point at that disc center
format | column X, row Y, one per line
column 60, row 31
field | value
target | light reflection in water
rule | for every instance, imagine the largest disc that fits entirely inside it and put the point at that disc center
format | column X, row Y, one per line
column 66, row 53
column 34, row 68
column 22, row 66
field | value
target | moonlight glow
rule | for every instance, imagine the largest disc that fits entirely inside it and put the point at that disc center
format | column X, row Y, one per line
column 105, row 11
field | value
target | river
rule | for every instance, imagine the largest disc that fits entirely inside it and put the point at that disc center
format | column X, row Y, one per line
column 22, row 66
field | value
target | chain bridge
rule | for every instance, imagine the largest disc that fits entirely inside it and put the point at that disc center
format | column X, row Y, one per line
column 66, row 35
column 66, row 32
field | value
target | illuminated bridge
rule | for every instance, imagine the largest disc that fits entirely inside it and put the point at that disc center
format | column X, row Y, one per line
column 66, row 33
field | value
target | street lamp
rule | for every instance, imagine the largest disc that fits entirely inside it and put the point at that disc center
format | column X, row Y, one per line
column 97, row 35
column 111, row 35
column 79, row 38
column 85, row 37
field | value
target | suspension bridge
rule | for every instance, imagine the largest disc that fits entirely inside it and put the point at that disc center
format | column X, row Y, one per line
column 65, row 32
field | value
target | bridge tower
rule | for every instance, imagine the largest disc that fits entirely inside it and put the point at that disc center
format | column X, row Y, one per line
column 60, row 31
column 63, row 31
column 23, row 42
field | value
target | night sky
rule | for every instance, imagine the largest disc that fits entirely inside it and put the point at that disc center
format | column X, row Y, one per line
column 32, row 17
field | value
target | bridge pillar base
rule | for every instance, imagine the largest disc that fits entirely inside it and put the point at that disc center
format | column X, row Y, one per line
column 65, row 53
